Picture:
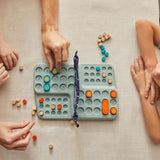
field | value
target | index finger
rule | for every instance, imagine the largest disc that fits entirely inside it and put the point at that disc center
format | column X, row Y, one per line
column 24, row 131
column 58, row 59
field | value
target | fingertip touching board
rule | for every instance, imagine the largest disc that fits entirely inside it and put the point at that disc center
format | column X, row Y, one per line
column 98, row 99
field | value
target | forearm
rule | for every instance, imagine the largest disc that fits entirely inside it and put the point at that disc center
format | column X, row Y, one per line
column 148, row 35
column 49, row 14
column 152, row 119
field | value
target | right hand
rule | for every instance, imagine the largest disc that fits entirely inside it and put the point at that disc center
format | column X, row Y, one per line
column 15, row 140
column 4, row 76
column 55, row 47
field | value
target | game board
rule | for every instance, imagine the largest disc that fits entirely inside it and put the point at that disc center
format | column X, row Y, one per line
column 98, row 99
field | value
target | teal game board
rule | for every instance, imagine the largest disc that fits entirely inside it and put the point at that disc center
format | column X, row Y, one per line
column 98, row 99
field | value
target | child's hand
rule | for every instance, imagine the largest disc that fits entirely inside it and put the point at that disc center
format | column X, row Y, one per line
column 150, row 85
column 4, row 76
column 15, row 140
column 7, row 55
column 138, row 74
column 156, row 74
column 55, row 47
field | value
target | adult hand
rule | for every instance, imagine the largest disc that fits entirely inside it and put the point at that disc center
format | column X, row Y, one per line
column 7, row 55
column 55, row 47
column 4, row 76
column 14, row 139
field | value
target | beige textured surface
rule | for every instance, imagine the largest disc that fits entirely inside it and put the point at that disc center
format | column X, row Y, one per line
column 81, row 22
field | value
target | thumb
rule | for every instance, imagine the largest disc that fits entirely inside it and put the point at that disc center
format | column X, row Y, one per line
column 18, row 125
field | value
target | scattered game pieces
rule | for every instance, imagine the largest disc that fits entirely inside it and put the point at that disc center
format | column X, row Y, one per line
column 13, row 102
column 59, row 107
column 18, row 104
column 72, row 122
column 21, row 68
column 100, row 41
column 109, row 36
column 113, row 94
column 98, row 68
column 106, row 54
column 18, row 100
column 35, row 109
column 24, row 101
column 100, row 44
column 46, row 87
column 33, row 113
column 100, row 36
column 103, row 51
column 6, row 68
column 34, row 137
column 113, row 110
column 41, row 113
column 53, row 106
column 88, row 94
column 77, row 124
column 46, row 79
column 102, row 48
column 109, row 81
column 103, row 59
column 50, row 146
column 54, row 71
column 103, row 39
column 41, row 100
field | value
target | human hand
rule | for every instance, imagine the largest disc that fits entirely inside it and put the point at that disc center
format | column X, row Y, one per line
column 55, row 47
column 150, row 85
column 13, row 139
column 4, row 76
column 7, row 55
column 156, row 74
column 138, row 75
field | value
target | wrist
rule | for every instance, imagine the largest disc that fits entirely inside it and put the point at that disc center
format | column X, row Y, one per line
column 151, row 66
column 51, row 27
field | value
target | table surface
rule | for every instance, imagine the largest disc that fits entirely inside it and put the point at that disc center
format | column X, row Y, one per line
column 126, row 137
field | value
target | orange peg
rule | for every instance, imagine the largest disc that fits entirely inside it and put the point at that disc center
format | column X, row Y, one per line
column 59, row 106
column 41, row 100
column 88, row 94
column 113, row 94
column 113, row 110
